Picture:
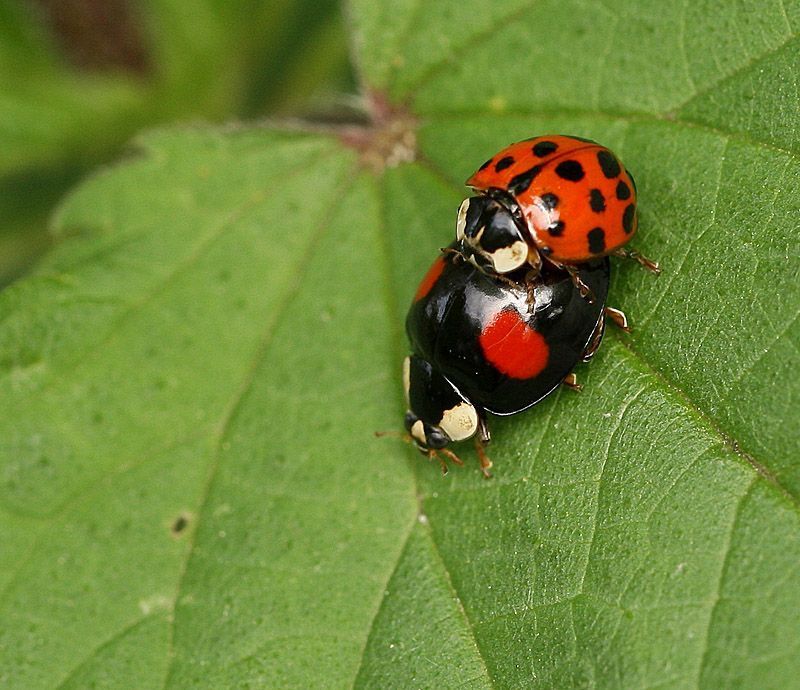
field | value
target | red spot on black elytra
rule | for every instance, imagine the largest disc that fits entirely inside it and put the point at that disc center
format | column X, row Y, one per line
column 512, row 347
column 430, row 279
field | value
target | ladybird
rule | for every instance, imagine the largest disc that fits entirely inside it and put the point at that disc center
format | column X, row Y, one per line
column 565, row 198
column 482, row 345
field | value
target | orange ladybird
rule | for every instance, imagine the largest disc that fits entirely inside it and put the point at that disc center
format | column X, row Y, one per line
column 567, row 197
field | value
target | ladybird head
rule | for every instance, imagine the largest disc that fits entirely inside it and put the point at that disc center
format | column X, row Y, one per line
column 437, row 413
column 486, row 228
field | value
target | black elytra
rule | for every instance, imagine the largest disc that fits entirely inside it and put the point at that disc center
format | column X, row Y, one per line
column 447, row 326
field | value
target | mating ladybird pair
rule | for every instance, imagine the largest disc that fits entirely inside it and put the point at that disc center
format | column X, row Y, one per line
column 506, row 312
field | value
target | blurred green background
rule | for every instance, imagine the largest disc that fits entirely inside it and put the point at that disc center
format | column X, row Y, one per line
column 78, row 79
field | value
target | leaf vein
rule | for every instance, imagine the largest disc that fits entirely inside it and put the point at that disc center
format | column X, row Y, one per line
column 232, row 409
column 726, row 553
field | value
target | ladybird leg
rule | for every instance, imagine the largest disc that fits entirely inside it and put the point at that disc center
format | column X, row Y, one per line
column 484, row 460
column 483, row 430
column 618, row 317
column 530, row 286
column 482, row 438
column 571, row 382
column 596, row 339
column 582, row 287
column 458, row 256
column 642, row 260
column 449, row 454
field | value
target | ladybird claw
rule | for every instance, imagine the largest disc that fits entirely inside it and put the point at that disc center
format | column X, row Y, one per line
column 618, row 317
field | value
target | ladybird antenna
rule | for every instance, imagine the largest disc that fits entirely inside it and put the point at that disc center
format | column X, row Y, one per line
column 393, row 434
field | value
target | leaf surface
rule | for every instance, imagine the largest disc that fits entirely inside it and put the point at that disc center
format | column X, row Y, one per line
column 190, row 488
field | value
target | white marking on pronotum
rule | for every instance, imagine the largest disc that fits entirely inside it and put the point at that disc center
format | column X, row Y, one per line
column 418, row 431
column 461, row 221
column 407, row 377
column 460, row 422
column 507, row 259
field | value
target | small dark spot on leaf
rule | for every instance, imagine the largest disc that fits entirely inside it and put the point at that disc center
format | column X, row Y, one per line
column 180, row 524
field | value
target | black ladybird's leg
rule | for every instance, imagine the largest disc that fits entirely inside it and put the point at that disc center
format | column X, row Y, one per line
column 436, row 454
column 483, row 430
column 458, row 256
column 618, row 317
column 484, row 460
column 596, row 339
column 481, row 439
column 583, row 288
column 649, row 264
column 571, row 382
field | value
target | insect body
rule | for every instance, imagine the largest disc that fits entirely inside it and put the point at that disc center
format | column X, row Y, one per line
column 482, row 345
column 569, row 199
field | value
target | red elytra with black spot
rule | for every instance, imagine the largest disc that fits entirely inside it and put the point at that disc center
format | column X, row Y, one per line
column 502, row 351
column 575, row 197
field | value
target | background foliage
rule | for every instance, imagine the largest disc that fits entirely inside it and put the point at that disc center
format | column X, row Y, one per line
column 190, row 492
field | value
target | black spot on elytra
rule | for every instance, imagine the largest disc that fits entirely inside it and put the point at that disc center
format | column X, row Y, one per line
column 503, row 163
column 486, row 164
column 556, row 229
column 597, row 240
column 519, row 183
column 597, row 201
column 544, row 148
column 627, row 218
column 623, row 191
column 570, row 170
column 549, row 200
column 608, row 164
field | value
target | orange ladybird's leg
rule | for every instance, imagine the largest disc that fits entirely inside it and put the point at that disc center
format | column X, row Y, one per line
column 618, row 317
column 649, row 264
column 596, row 339
column 571, row 382
column 583, row 288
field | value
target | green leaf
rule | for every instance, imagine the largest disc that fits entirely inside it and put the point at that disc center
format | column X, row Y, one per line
column 190, row 491
column 198, row 60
